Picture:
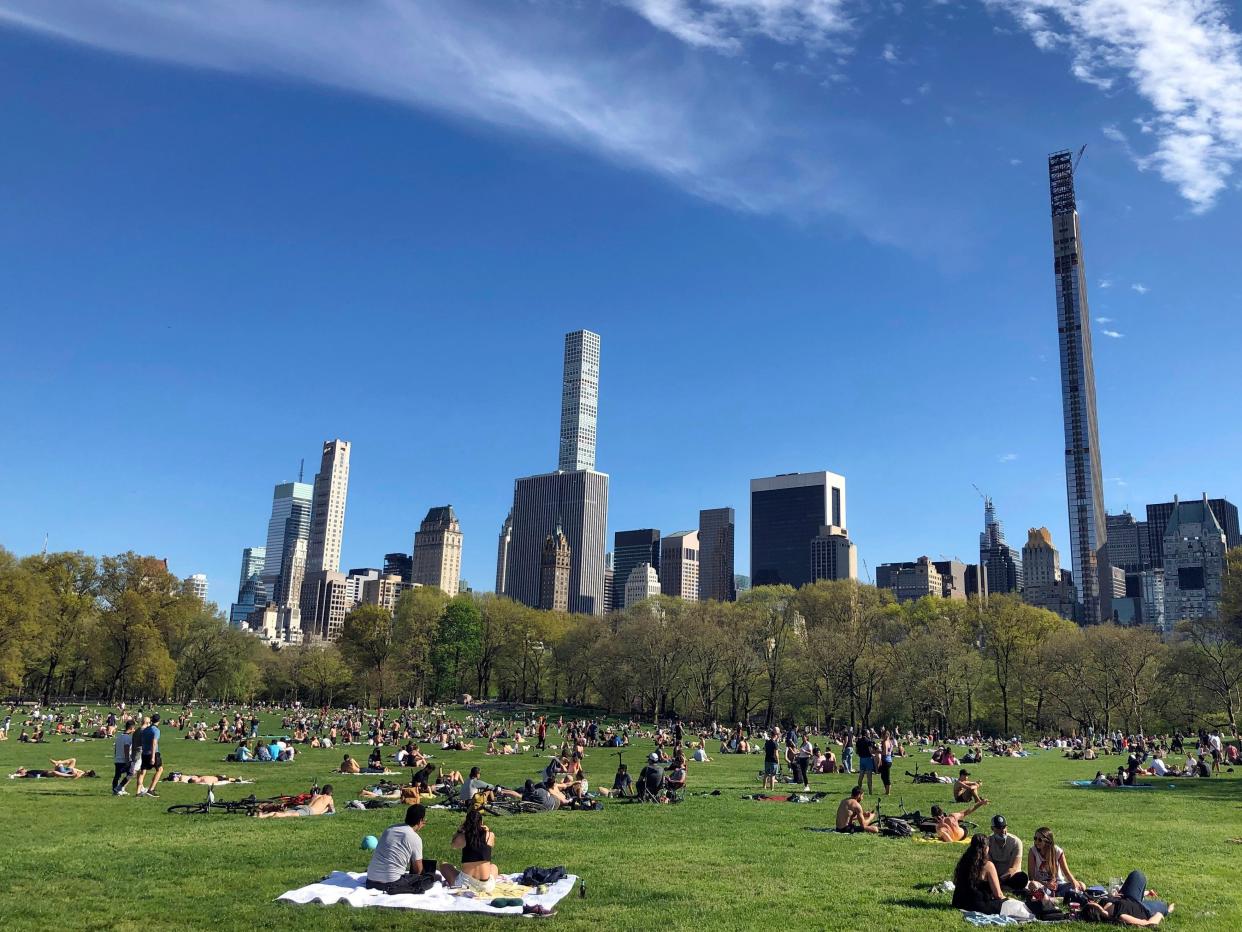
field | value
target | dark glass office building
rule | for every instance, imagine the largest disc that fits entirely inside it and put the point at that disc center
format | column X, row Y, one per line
column 786, row 514
column 629, row 549
column 398, row 564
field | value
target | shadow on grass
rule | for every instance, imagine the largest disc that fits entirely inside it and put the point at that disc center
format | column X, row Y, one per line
column 911, row 903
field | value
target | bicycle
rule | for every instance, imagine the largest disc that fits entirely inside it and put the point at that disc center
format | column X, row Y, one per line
column 248, row 806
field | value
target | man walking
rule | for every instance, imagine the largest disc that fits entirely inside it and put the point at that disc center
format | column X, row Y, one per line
column 866, row 760
column 770, row 765
column 121, row 759
column 152, row 761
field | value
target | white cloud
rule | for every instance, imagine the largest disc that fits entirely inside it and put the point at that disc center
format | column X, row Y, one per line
column 723, row 24
column 1140, row 288
column 1112, row 333
column 1106, row 283
column 1180, row 55
column 1103, row 320
column 523, row 67
column 1007, row 457
column 890, row 54
column 1015, row 162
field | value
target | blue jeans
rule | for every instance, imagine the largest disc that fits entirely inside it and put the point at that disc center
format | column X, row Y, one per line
column 1134, row 888
column 847, row 760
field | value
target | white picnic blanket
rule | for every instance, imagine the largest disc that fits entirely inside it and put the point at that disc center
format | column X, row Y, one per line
column 348, row 887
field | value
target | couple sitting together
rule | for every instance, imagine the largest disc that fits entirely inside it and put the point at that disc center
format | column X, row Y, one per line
column 397, row 864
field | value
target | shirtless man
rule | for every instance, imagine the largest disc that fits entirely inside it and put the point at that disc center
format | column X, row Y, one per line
column 966, row 791
column 210, row 779
column 948, row 828
column 320, row 804
column 66, row 769
column 850, row 815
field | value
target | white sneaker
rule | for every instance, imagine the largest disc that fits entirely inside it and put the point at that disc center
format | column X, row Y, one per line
column 141, row 792
column 121, row 792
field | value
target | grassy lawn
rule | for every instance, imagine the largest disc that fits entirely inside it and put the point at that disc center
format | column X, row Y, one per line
column 75, row 857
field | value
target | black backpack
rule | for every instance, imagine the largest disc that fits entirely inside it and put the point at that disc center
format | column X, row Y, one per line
column 895, row 828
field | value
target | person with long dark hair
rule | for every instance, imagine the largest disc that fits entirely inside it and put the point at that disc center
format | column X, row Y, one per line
column 976, row 886
column 475, row 841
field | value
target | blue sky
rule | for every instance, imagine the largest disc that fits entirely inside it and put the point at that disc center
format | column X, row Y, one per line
column 812, row 235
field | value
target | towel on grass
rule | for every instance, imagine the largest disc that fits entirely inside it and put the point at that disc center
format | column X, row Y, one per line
column 369, row 773
column 348, row 887
column 987, row 919
column 1092, row 785
column 936, row 841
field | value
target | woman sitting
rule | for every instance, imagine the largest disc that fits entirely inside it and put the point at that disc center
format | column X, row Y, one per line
column 475, row 841
column 1047, row 868
column 976, row 886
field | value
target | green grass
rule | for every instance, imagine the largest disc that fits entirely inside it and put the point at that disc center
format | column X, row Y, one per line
column 75, row 857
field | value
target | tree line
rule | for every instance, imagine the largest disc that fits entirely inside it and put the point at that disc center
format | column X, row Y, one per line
column 831, row 653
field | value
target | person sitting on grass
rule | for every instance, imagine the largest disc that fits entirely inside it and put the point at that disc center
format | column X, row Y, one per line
column 375, row 760
column 397, row 864
column 1047, row 867
column 851, row 818
column 976, row 886
column 349, row 765
column 622, row 782
column 948, row 826
column 1131, row 907
column 243, row 755
column 967, row 791
column 1101, row 779
column 320, row 804
column 700, row 754
column 475, row 784
column 1005, row 850
column 475, row 841
column 544, row 794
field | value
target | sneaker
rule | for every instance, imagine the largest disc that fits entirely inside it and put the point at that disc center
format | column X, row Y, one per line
column 152, row 795
column 142, row 792
column 120, row 792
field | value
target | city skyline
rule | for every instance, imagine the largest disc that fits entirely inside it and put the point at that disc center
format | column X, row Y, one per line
column 722, row 318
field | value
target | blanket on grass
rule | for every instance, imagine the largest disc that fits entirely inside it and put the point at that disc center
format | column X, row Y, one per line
column 985, row 919
column 369, row 773
column 348, row 887
column 1091, row 785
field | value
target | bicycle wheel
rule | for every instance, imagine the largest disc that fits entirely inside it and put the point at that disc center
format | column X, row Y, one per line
column 189, row 809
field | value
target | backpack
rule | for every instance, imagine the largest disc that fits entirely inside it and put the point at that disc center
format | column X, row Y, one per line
column 895, row 828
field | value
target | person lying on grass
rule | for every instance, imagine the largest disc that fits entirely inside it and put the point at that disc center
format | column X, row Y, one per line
column 320, row 804
column 1131, row 908
column 1047, row 868
column 851, row 816
column 545, row 794
column 948, row 826
column 64, row 769
column 209, row 779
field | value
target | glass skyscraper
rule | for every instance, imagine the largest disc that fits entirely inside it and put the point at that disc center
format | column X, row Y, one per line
column 579, row 401
column 786, row 515
column 1084, row 486
column 290, row 523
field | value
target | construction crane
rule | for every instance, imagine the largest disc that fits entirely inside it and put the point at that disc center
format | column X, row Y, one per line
column 1078, row 157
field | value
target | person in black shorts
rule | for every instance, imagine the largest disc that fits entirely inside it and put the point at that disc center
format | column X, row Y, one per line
column 152, row 761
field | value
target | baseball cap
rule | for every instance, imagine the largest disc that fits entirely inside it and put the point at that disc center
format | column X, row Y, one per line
column 998, row 821
column 653, row 757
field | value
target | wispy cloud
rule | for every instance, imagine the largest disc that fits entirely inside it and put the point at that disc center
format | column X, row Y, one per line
column 890, row 54
column 1106, row 283
column 523, row 67
column 723, row 24
column 1140, row 288
column 1112, row 333
column 1180, row 55
column 1007, row 457
column 1103, row 320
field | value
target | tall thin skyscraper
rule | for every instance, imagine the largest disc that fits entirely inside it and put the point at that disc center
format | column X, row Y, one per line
column 290, row 523
column 1083, row 482
column 323, row 550
column 502, row 552
column 1004, row 563
column 579, row 401
column 717, row 529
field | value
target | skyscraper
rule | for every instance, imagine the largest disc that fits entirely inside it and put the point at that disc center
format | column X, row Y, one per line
column 679, row 565
column 643, row 583
column 502, row 552
column 717, row 530
column 1043, row 583
column 437, row 550
column 630, row 548
column 397, row 564
column 1083, row 482
column 554, row 568
column 1003, row 563
column 252, row 562
column 579, row 401
column 325, row 602
column 289, row 523
column 575, row 497
column 1127, row 542
column 1195, row 547
column 578, row 502
column 198, row 585
column 1225, row 512
column 833, row 554
column 786, row 514
column 323, row 550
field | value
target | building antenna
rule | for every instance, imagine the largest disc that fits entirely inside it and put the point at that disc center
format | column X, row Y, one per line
column 301, row 468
